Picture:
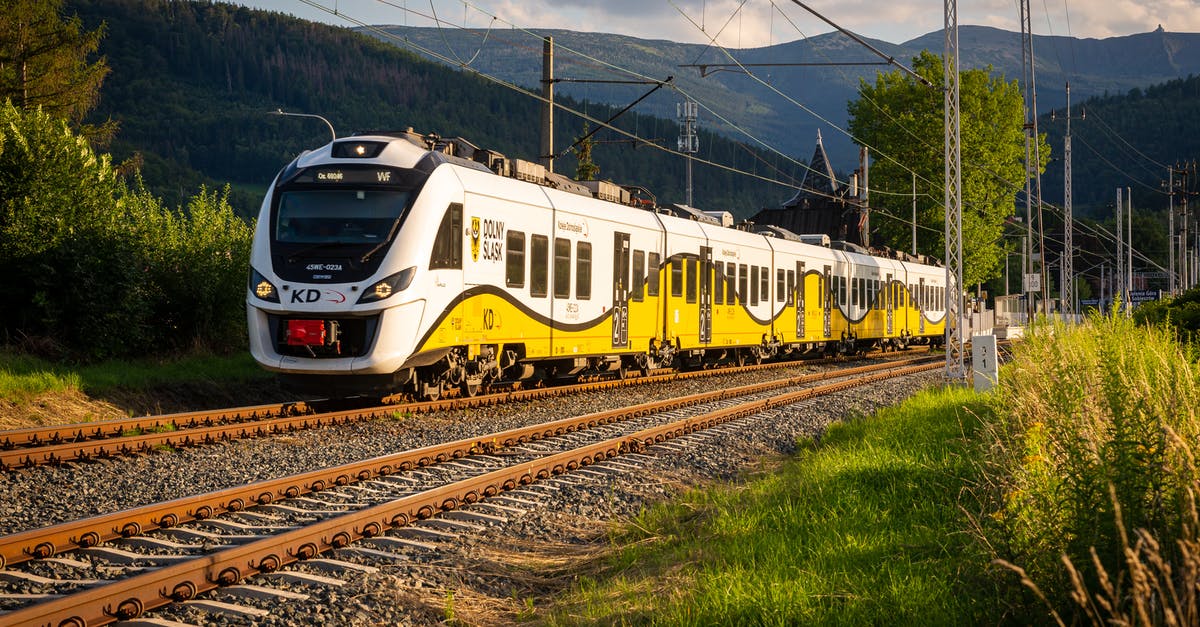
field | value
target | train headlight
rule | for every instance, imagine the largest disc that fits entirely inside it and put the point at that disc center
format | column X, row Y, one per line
column 263, row 288
column 396, row 283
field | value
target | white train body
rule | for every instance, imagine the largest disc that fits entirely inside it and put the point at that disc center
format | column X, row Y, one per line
column 386, row 262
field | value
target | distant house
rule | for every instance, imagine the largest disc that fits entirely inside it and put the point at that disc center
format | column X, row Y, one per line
column 820, row 206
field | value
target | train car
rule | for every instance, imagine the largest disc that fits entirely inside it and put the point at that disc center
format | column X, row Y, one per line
column 405, row 263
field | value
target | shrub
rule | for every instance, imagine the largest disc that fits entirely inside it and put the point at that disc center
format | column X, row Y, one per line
column 1094, row 435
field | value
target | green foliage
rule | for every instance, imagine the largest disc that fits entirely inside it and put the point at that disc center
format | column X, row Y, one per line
column 861, row 528
column 903, row 119
column 1090, row 418
column 192, row 84
column 1181, row 314
column 103, row 271
column 586, row 170
column 44, row 59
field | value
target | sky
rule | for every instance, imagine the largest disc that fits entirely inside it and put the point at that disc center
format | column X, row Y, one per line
column 756, row 23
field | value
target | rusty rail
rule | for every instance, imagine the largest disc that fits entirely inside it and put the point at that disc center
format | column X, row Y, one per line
column 48, row 541
column 131, row 597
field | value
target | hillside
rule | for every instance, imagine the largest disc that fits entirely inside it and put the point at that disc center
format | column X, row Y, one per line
column 192, row 84
column 1097, row 67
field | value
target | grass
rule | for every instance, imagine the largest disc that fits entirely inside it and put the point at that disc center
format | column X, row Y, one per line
column 862, row 527
column 23, row 377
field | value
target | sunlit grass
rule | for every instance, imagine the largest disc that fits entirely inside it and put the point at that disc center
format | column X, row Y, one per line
column 23, row 377
column 862, row 527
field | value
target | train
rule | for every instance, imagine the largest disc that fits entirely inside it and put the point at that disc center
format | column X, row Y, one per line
column 396, row 262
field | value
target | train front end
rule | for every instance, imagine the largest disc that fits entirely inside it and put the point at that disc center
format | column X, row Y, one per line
column 329, row 304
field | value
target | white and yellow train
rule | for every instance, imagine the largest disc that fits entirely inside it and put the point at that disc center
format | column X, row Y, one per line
column 399, row 262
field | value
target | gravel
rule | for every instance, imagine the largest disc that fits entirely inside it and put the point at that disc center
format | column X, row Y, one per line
column 471, row 577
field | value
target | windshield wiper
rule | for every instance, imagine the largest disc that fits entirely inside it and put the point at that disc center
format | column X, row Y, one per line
column 391, row 233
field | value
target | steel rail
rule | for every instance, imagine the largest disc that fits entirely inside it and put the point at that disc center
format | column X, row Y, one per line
column 83, row 441
column 131, row 597
column 48, row 541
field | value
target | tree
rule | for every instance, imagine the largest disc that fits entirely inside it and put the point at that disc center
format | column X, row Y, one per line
column 902, row 121
column 586, row 170
column 44, row 60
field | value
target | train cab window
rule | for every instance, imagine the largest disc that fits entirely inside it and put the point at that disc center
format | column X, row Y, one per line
column 514, row 259
column 652, row 282
column 743, row 282
column 718, row 297
column 764, row 284
column 448, row 245
column 539, row 260
column 780, row 284
column 583, row 270
column 693, row 277
column 753, row 285
column 562, row 267
column 677, row 278
column 637, row 288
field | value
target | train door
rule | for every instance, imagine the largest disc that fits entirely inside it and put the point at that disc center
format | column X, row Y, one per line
column 827, row 300
column 921, row 307
column 889, row 298
column 801, row 312
column 706, row 274
column 620, row 303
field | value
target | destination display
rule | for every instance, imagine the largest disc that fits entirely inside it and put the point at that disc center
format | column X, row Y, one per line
column 348, row 176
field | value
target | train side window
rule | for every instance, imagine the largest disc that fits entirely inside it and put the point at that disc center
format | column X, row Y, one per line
column 514, row 259
column 731, row 293
column 448, row 245
column 583, row 270
column 677, row 277
column 791, row 287
column 842, row 292
column 781, row 284
column 693, row 276
column 539, row 259
column 638, row 286
column 652, row 283
column 753, row 285
column 743, row 282
column 562, row 267
column 718, row 283
column 764, row 284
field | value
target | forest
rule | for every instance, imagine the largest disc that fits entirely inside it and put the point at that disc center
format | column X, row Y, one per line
column 192, row 85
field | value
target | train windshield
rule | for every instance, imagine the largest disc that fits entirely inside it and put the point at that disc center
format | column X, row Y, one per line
column 339, row 216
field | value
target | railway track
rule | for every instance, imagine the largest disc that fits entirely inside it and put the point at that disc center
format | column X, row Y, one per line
column 331, row 509
column 55, row 444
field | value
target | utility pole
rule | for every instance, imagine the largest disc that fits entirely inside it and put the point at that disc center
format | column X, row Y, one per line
column 914, row 214
column 548, row 110
column 1171, row 229
column 955, row 364
column 1033, row 159
column 689, row 143
column 864, row 198
column 1067, row 284
column 1129, row 252
column 1119, row 281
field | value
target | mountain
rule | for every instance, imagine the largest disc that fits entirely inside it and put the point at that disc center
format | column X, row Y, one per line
column 790, row 103
column 193, row 85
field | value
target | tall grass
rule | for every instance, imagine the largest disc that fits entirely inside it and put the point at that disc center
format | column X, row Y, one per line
column 1092, row 459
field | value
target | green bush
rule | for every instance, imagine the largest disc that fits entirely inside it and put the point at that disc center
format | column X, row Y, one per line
column 1181, row 313
column 98, row 269
column 1096, row 426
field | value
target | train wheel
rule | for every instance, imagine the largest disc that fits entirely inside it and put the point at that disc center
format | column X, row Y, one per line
column 471, row 386
column 431, row 392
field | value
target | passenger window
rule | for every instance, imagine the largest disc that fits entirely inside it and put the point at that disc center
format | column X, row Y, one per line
column 562, row 268
column 791, row 287
column 652, row 283
column 514, row 259
column 677, row 278
column 780, row 285
column 693, row 276
column 719, row 283
column 539, row 258
column 583, row 270
column 743, row 282
column 638, row 287
column 764, row 285
column 753, row 285
column 448, row 245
